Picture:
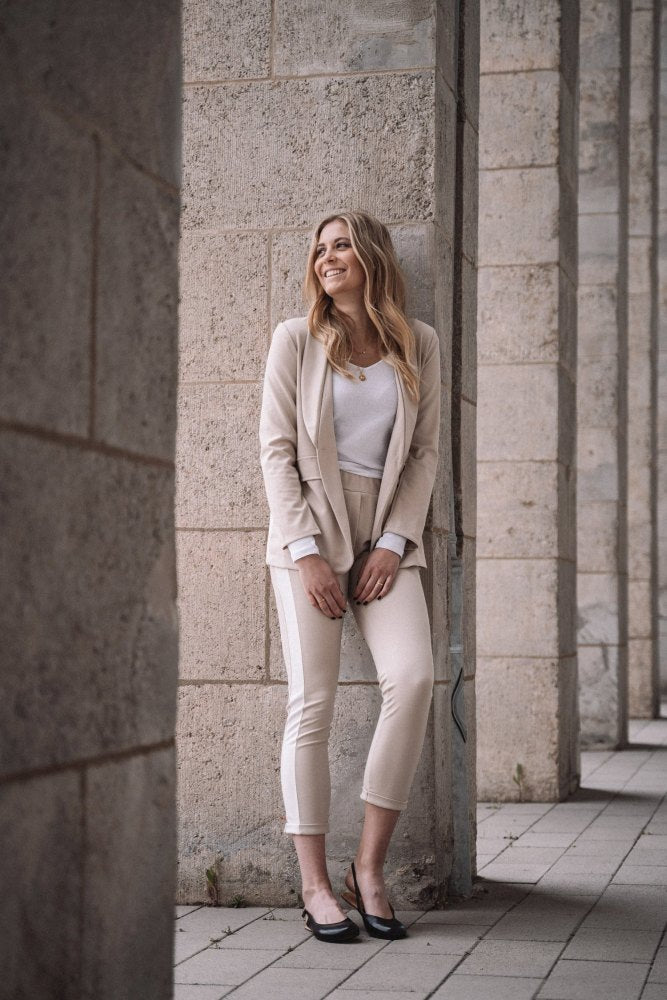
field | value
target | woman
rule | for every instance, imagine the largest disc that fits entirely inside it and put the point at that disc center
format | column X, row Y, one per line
column 349, row 445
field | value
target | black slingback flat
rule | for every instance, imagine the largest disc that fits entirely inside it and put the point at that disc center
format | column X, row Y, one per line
column 379, row 927
column 340, row 932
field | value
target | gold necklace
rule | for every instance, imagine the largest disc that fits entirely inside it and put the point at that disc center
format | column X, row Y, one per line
column 361, row 376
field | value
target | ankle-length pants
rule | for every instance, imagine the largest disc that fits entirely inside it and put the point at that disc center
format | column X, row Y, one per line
column 396, row 630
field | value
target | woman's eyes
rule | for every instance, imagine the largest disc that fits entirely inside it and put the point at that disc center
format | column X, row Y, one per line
column 339, row 246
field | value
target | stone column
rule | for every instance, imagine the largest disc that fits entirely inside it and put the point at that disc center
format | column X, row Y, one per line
column 90, row 169
column 602, row 372
column 642, row 362
column 291, row 111
column 662, row 360
column 526, row 595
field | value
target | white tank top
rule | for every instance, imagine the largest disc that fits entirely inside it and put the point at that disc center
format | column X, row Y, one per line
column 364, row 414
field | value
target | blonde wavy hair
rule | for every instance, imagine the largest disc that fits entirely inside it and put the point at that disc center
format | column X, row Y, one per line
column 384, row 299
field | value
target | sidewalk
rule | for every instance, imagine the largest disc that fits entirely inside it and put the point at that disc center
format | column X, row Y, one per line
column 572, row 905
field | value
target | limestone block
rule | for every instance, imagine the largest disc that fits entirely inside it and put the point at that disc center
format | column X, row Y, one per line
column 519, row 36
column 137, row 311
column 569, row 756
column 470, row 220
column 517, row 607
column 438, row 519
column 568, row 256
column 48, row 173
column 229, row 738
column 89, row 629
column 518, row 314
column 521, row 221
column 219, row 476
column 130, row 874
column 468, row 465
column 598, row 610
column 311, row 128
column 567, row 608
column 640, row 610
column 601, row 683
column 517, row 412
column 446, row 140
column 597, row 464
column 598, row 248
column 224, row 310
column 468, row 618
column 437, row 587
column 518, row 518
column 447, row 41
column 226, row 41
column 221, row 604
column 641, row 44
column 348, row 38
column 640, row 251
column 597, row 392
column 41, row 839
column 640, row 209
column 471, row 758
column 598, row 550
column 598, row 139
column 103, row 71
column 471, row 57
column 599, row 28
column 640, row 549
column 597, row 316
column 642, row 689
column 468, row 330
column 521, row 696
column 519, row 119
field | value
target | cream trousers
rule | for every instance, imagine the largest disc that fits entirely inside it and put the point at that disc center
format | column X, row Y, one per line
column 396, row 630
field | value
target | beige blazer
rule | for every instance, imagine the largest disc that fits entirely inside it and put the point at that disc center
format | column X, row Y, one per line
column 299, row 459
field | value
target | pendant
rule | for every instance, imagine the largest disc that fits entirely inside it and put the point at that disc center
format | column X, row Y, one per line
column 362, row 377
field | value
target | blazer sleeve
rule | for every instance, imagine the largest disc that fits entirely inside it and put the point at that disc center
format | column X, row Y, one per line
column 407, row 515
column 278, row 441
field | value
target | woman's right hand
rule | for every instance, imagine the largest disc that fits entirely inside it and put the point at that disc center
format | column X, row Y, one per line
column 321, row 585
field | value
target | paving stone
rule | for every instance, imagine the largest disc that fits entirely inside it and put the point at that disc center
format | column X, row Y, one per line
column 438, row 939
column 511, row 958
column 314, row 954
column 542, row 918
column 571, row 865
column 518, row 854
column 514, row 873
column 576, row 980
column 458, row 987
column 641, row 875
column 658, row 973
column 575, row 882
column 342, row 994
column 653, row 991
column 224, row 966
column 613, row 944
column 639, row 907
column 532, row 839
column 189, row 991
column 219, row 920
column 402, row 972
column 181, row 911
column 262, row 933
column 291, row 984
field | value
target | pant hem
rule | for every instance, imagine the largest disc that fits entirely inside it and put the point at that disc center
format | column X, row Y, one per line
column 305, row 828
column 380, row 800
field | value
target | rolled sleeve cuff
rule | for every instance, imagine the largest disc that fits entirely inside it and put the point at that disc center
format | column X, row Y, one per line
column 390, row 540
column 306, row 546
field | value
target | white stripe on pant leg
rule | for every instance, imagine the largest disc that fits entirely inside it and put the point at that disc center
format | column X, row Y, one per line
column 296, row 696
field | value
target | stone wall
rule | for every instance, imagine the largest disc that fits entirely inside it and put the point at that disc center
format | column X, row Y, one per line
column 602, row 411
column 526, row 595
column 662, row 359
column 89, row 226
column 291, row 111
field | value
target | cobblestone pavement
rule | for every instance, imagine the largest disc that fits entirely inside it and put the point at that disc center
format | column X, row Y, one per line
column 571, row 904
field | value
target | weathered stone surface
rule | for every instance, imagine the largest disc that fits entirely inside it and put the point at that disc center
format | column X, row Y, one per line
column 313, row 128
column 91, row 652
column 224, row 305
column 517, row 36
column 519, row 125
column 517, row 518
column 519, row 695
column 517, row 607
column 219, row 476
column 221, row 604
column 45, row 380
column 40, row 833
column 348, row 38
column 598, row 608
column 129, row 870
column 119, row 72
column 518, row 314
column 226, row 41
column 529, row 197
column 602, row 703
column 511, row 426
column 137, row 314
column 598, row 248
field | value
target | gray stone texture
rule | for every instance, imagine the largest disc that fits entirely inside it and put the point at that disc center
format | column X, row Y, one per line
column 291, row 111
column 643, row 677
column 602, row 584
column 662, row 358
column 526, row 519
column 90, row 121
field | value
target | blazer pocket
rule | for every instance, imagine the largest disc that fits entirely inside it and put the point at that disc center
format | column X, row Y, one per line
column 309, row 468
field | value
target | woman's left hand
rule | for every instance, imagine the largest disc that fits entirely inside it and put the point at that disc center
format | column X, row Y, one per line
column 378, row 572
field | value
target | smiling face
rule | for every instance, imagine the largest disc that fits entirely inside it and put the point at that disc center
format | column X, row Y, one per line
column 336, row 264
